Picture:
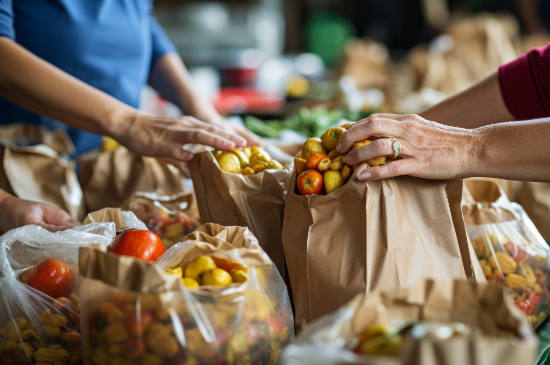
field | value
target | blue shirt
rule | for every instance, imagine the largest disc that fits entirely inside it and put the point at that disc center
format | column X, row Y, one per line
column 109, row 44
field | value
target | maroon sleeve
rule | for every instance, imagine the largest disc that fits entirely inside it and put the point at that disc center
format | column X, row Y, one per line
column 525, row 84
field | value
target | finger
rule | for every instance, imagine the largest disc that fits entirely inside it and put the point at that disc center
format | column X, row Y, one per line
column 382, row 147
column 251, row 138
column 201, row 136
column 182, row 166
column 372, row 126
column 394, row 168
column 56, row 227
column 227, row 133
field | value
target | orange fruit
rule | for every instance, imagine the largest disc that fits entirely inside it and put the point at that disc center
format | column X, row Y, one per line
column 139, row 243
column 310, row 182
column 313, row 160
column 53, row 277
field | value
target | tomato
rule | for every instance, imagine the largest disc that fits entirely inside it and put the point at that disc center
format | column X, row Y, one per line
column 314, row 160
column 142, row 244
column 53, row 277
column 310, row 182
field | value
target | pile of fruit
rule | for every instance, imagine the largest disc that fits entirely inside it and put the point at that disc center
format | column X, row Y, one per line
column 211, row 271
column 320, row 168
column 52, row 335
column 130, row 328
column 246, row 161
column 515, row 264
column 385, row 339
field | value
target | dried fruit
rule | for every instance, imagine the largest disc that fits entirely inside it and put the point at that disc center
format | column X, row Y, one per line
column 300, row 165
column 216, row 277
column 229, row 162
column 331, row 137
column 324, row 164
column 333, row 180
column 346, row 171
column 515, row 281
column 199, row 266
column 336, row 164
column 243, row 158
column 501, row 261
column 311, row 146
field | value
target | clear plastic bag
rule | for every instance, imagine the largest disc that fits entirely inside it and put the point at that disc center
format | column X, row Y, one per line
column 510, row 249
column 34, row 327
column 154, row 319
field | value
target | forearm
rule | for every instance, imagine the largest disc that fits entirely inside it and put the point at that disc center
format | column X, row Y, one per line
column 170, row 79
column 480, row 105
column 36, row 85
column 513, row 151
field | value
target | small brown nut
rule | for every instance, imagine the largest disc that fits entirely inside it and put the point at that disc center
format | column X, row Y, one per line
column 53, row 319
column 51, row 331
column 7, row 346
column 324, row 164
column 115, row 332
column 150, row 359
column 247, row 171
column 70, row 337
column 346, row 171
column 49, row 354
column 336, row 164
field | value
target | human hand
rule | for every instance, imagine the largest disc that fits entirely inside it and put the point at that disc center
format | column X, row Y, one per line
column 149, row 135
column 211, row 116
column 429, row 150
column 16, row 212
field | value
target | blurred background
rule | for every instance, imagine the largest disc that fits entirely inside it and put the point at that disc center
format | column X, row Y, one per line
column 303, row 64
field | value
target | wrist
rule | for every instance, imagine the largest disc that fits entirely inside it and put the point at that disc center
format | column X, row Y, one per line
column 478, row 153
column 119, row 120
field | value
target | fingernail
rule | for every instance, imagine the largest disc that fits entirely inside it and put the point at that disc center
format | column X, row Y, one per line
column 365, row 175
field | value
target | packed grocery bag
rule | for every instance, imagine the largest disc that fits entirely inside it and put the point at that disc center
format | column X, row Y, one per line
column 342, row 236
column 40, row 300
column 213, row 298
column 172, row 217
column 510, row 249
column 246, row 188
column 443, row 322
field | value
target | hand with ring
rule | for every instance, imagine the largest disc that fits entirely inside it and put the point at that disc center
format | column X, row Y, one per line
column 415, row 147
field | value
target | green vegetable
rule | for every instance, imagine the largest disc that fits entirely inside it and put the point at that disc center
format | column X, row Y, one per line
column 309, row 122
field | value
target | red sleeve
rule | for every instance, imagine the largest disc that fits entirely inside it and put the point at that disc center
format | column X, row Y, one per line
column 525, row 84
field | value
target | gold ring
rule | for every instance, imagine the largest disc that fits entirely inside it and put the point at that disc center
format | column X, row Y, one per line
column 396, row 146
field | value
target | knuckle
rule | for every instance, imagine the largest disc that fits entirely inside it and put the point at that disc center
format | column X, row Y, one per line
column 393, row 169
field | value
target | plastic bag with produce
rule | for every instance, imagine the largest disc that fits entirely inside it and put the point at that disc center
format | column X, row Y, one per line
column 443, row 322
column 40, row 306
column 243, row 188
column 510, row 249
column 214, row 298
column 172, row 217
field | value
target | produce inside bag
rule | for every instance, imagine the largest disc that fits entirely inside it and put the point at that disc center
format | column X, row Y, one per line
column 171, row 217
column 444, row 322
column 213, row 298
column 40, row 306
column 247, row 188
column 510, row 249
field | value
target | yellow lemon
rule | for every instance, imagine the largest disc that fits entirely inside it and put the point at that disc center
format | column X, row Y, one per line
column 190, row 282
column 229, row 162
column 216, row 277
column 331, row 137
column 333, row 180
column 199, row 266
column 239, row 275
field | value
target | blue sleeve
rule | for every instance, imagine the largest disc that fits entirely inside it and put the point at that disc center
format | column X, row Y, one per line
column 6, row 19
column 161, row 43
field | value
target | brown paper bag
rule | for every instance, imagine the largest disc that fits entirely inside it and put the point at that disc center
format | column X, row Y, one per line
column 485, row 307
column 369, row 235
column 108, row 179
column 255, row 201
column 134, row 312
column 509, row 248
column 38, row 173
column 534, row 197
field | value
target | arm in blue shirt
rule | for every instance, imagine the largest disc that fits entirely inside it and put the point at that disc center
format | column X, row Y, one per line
column 6, row 19
column 160, row 42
